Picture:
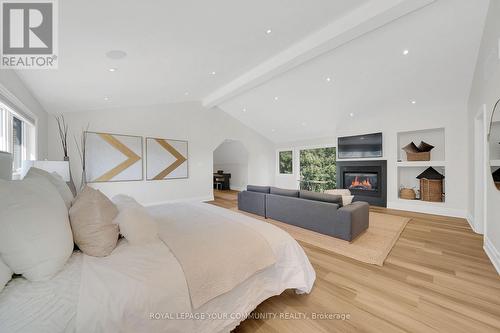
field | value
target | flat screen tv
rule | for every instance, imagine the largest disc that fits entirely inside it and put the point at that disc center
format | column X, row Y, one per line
column 360, row 146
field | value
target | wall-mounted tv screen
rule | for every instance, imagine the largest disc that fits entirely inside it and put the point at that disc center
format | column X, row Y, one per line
column 360, row 146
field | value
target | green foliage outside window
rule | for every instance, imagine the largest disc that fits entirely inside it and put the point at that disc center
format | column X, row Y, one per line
column 318, row 169
column 286, row 162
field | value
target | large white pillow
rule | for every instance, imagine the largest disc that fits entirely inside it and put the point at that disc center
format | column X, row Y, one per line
column 5, row 274
column 56, row 180
column 35, row 234
column 136, row 224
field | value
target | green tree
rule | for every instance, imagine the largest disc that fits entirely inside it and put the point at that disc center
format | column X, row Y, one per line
column 286, row 162
column 318, row 169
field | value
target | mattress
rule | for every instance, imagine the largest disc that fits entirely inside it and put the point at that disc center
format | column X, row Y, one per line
column 143, row 288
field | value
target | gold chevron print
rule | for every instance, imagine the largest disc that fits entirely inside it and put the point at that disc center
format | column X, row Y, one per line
column 179, row 159
column 115, row 143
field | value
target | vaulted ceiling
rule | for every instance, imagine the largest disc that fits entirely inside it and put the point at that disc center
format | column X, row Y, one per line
column 290, row 69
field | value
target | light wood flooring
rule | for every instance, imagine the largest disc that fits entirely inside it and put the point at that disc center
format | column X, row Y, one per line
column 437, row 278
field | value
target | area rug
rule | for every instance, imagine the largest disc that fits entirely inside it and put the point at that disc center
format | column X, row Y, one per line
column 372, row 247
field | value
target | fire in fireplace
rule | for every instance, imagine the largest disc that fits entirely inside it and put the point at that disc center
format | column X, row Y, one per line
column 361, row 181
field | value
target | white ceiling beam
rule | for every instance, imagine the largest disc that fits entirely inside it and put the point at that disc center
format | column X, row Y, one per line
column 373, row 15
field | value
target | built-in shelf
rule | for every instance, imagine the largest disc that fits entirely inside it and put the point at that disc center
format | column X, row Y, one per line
column 407, row 164
column 495, row 163
column 409, row 170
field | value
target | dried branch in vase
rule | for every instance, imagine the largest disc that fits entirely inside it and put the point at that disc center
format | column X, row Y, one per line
column 63, row 133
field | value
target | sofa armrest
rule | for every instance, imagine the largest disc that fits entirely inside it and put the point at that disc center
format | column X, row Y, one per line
column 252, row 202
column 353, row 219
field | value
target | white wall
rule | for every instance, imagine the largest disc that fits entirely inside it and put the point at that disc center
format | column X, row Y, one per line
column 232, row 157
column 203, row 129
column 485, row 91
column 11, row 82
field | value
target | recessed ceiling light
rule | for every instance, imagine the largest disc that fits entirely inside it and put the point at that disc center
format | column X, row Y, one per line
column 106, row 98
column 273, row 130
column 304, row 124
column 244, row 110
column 276, row 98
column 112, row 69
column 268, row 31
column 328, row 79
column 351, row 114
column 405, row 52
column 116, row 54
column 213, row 73
column 413, row 102
column 186, row 93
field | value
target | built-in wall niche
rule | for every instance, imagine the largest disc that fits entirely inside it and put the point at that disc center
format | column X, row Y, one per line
column 433, row 136
column 407, row 178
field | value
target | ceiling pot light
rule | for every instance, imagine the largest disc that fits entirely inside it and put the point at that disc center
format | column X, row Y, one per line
column 244, row 110
column 276, row 98
column 405, row 52
column 268, row 31
column 106, row 98
column 116, row 54
column 304, row 124
column 112, row 69
column 328, row 79
column 413, row 102
column 351, row 114
column 273, row 130
column 213, row 73
column 186, row 93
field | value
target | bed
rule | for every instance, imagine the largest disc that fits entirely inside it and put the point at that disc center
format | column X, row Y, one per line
column 143, row 288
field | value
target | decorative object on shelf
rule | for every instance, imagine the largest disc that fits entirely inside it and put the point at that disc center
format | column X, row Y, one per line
column 431, row 185
column 63, row 136
column 422, row 152
column 166, row 159
column 496, row 178
column 113, row 157
column 494, row 147
column 407, row 193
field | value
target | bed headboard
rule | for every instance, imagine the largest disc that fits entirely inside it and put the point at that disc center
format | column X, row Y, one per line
column 5, row 165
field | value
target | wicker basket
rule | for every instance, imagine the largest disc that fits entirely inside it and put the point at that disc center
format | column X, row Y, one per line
column 407, row 193
column 422, row 156
column 431, row 190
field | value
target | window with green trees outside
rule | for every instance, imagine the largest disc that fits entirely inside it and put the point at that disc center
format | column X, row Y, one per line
column 318, row 169
column 286, row 162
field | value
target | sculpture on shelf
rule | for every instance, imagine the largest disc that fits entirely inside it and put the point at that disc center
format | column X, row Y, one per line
column 431, row 185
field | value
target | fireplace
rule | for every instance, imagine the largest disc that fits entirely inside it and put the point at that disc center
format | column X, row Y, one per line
column 367, row 180
column 361, row 181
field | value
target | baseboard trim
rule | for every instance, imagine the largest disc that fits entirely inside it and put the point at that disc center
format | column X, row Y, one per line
column 191, row 199
column 492, row 253
column 470, row 220
column 428, row 209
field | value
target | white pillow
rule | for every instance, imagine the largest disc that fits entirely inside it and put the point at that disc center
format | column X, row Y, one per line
column 56, row 180
column 347, row 199
column 136, row 224
column 35, row 234
column 5, row 274
column 341, row 192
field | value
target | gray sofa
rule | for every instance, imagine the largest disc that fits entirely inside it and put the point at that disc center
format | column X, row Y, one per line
column 318, row 212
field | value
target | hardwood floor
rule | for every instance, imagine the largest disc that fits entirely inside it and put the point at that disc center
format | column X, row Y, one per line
column 437, row 278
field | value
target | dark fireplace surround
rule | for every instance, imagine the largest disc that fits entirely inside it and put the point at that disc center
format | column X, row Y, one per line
column 367, row 180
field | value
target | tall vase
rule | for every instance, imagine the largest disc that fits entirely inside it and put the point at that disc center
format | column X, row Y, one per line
column 71, row 184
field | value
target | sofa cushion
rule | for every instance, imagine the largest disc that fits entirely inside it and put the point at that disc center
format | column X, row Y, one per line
column 284, row 192
column 260, row 189
column 309, row 195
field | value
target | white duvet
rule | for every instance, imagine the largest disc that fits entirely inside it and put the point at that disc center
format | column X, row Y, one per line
column 142, row 288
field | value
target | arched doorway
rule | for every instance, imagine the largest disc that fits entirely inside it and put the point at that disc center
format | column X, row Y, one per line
column 230, row 166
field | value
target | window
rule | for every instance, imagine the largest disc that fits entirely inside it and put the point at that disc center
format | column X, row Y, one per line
column 318, row 170
column 286, row 162
column 17, row 136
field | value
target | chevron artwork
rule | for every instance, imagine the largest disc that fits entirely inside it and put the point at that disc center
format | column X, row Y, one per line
column 113, row 157
column 166, row 159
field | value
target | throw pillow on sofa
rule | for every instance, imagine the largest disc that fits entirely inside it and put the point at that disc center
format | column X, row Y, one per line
column 91, row 219
column 35, row 234
column 317, row 196
column 345, row 193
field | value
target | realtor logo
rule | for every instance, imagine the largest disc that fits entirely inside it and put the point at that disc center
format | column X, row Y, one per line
column 29, row 34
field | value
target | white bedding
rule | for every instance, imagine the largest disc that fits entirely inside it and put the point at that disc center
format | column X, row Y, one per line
column 142, row 288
